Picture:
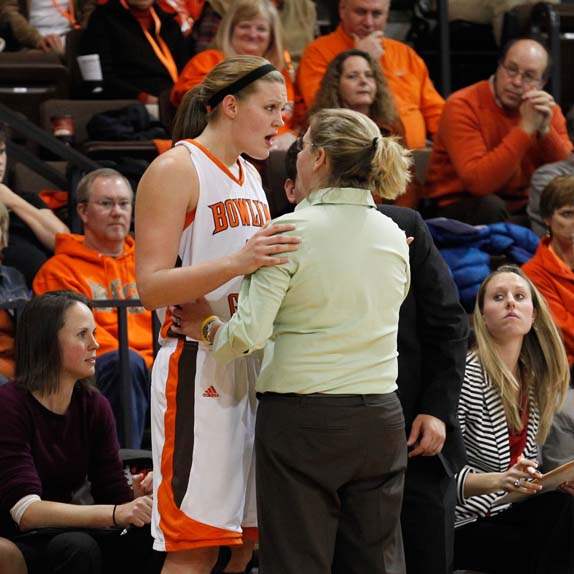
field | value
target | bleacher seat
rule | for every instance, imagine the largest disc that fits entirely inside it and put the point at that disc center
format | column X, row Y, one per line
column 25, row 179
column 28, row 78
column 81, row 112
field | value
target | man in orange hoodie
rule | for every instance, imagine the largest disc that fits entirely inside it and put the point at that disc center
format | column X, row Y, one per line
column 493, row 135
column 362, row 25
column 101, row 265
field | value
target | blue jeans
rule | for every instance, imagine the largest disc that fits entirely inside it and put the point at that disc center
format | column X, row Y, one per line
column 108, row 381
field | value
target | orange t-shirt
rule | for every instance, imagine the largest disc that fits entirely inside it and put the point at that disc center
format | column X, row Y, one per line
column 480, row 149
column 201, row 64
column 418, row 103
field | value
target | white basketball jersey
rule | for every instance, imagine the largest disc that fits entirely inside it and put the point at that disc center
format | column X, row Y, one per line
column 231, row 208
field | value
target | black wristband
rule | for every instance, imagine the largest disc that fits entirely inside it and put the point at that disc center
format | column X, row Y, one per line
column 114, row 515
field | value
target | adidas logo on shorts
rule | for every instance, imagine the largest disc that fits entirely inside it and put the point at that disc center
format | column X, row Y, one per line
column 211, row 393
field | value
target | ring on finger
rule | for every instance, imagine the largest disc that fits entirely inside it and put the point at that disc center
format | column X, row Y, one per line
column 517, row 482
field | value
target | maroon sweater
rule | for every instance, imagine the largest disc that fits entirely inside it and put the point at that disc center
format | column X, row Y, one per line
column 52, row 455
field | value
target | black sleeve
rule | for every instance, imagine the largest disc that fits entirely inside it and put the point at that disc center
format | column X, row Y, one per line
column 442, row 327
column 98, row 38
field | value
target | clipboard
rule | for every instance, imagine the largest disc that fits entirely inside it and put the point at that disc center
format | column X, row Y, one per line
column 549, row 481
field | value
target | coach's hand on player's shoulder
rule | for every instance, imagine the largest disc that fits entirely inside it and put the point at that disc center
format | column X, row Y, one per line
column 264, row 248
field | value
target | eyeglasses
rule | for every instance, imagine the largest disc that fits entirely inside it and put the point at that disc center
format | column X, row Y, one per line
column 527, row 78
column 300, row 144
column 109, row 204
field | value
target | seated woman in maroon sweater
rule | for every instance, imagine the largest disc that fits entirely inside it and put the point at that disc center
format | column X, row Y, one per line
column 56, row 432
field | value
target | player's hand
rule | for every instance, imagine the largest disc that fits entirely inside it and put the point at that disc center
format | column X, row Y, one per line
column 187, row 318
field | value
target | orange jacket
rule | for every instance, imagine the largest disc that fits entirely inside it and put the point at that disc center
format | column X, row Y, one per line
column 201, row 64
column 555, row 280
column 76, row 268
column 480, row 149
column 418, row 103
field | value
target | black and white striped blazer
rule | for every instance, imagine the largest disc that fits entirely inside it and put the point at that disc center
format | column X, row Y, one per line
column 486, row 438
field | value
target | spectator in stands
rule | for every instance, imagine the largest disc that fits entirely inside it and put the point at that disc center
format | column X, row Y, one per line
column 354, row 80
column 43, row 25
column 493, row 135
column 249, row 28
column 33, row 226
column 515, row 380
column 540, row 179
column 101, row 265
column 56, row 432
column 551, row 268
column 298, row 22
column 141, row 48
column 363, row 22
column 13, row 288
column 432, row 342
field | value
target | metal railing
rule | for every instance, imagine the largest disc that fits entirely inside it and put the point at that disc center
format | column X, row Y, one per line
column 41, row 137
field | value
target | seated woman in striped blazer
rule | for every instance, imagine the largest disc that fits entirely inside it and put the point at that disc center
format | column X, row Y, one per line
column 516, row 378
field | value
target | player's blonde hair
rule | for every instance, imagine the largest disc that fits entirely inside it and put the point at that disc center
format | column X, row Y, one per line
column 194, row 113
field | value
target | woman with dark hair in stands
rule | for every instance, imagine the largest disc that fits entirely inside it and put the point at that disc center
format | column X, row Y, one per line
column 354, row 81
column 57, row 432
column 516, row 379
